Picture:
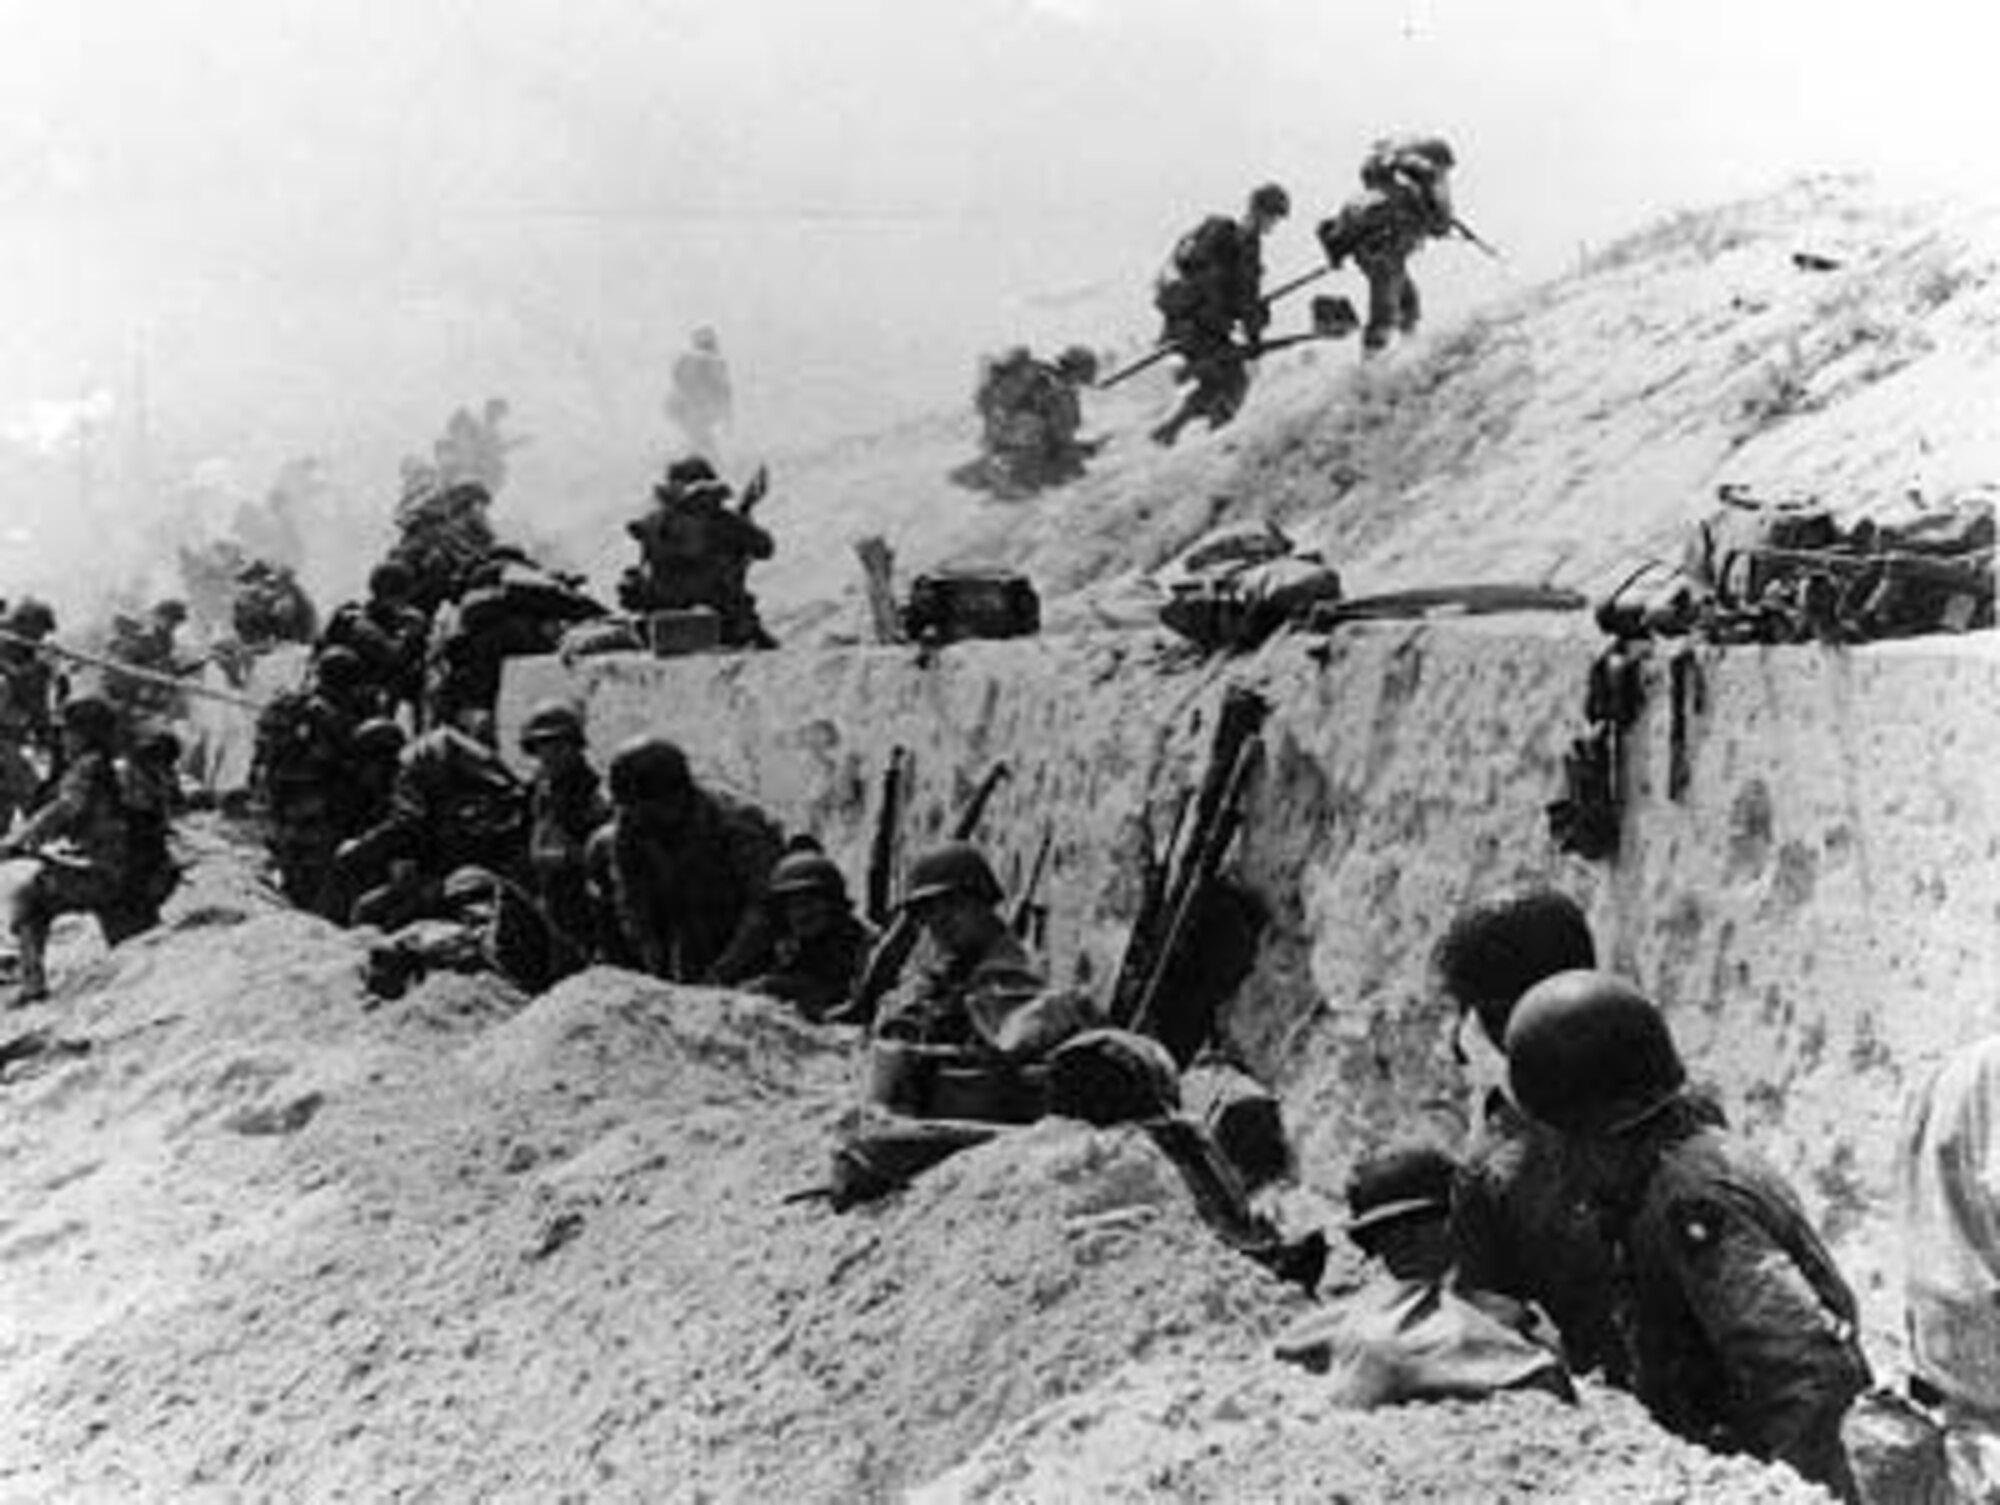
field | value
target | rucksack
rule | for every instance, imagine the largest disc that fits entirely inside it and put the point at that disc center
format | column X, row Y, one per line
column 1198, row 268
column 949, row 606
column 1421, row 159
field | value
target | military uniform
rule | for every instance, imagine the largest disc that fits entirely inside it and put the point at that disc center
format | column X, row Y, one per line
column 1216, row 286
column 697, row 552
column 1524, row 1227
column 301, row 773
column 1380, row 229
column 566, row 808
column 817, row 972
column 690, row 903
column 26, row 682
column 389, row 638
column 455, row 804
column 963, row 999
column 1742, row 1329
column 81, row 841
column 1031, row 416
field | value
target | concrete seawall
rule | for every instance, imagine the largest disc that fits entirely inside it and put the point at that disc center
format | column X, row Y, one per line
column 1819, row 910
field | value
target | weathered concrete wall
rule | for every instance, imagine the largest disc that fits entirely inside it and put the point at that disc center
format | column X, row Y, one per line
column 1820, row 911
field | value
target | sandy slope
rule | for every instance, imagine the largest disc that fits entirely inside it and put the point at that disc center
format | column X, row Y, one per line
column 262, row 1239
column 1563, row 433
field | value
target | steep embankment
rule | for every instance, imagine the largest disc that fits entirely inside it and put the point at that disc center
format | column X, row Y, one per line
column 1560, row 434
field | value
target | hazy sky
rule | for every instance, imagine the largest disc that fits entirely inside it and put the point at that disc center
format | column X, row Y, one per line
column 326, row 223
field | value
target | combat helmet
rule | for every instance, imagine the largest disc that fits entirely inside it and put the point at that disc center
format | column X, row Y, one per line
column 338, row 668
column 1496, row 949
column 90, row 717
column 552, row 721
column 1399, row 1183
column 1079, row 364
column 648, row 768
column 807, row 873
column 1588, row 1054
column 31, row 617
column 957, row 867
column 1270, row 200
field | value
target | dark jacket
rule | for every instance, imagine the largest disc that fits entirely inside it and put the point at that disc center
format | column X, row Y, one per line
column 690, row 903
column 964, row 999
column 1743, row 1329
column 1522, row 1226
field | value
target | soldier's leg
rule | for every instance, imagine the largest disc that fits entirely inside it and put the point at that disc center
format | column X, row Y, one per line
column 1228, row 386
column 1409, row 306
column 1382, row 306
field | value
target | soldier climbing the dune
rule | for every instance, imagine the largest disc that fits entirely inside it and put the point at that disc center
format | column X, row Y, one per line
column 1405, row 201
column 696, row 551
column 1212, row 288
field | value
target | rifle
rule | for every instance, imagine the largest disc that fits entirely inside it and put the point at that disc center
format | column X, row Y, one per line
column 1249, row 352
column 754, row 490
column 130, row 671
column 1029, row 918
column 1293, row 286
column 882, row 849
column 1214, row 843
column 886, row 961
column 1238, row 721
column 1465, row 232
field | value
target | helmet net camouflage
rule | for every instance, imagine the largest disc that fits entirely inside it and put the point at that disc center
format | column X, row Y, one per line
column 1588, row 1054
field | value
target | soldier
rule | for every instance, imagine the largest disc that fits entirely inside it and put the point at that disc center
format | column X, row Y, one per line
column 387, row 634
column 1743, row 1331
column 1214, row 286
column 1948, row 1174
column 1520, row 1222
column 1417, row 1330
column 702, row 401
column 271, row 607
column 696, row 551
column 1405, row 200
column 820, row 943
column 1030, row 415
column 566, row 807
column 89, row 870
column 301, row 771
column 26, row 688
column 454, row 805
column 976, row 975
column 149, row 785
column 683, row 869
column 444, row 534
column 148, row 644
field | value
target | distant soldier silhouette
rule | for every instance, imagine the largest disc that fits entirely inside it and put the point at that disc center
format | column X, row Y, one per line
column 702, row 400
column 1405, row 200
column 1030, row 417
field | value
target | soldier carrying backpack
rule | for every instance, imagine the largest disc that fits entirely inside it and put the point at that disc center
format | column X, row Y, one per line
column 1405, row 200
column 1213, row 285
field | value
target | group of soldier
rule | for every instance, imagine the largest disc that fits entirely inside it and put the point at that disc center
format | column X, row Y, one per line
column 1215, row 311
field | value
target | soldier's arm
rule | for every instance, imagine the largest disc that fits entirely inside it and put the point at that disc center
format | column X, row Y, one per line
column 53, row 820
column 1792, row 1363
column 754, row 847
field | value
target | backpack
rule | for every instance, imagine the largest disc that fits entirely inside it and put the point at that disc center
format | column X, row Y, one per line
column 1423, row 160
column 952, row 605
column 1198, row 269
